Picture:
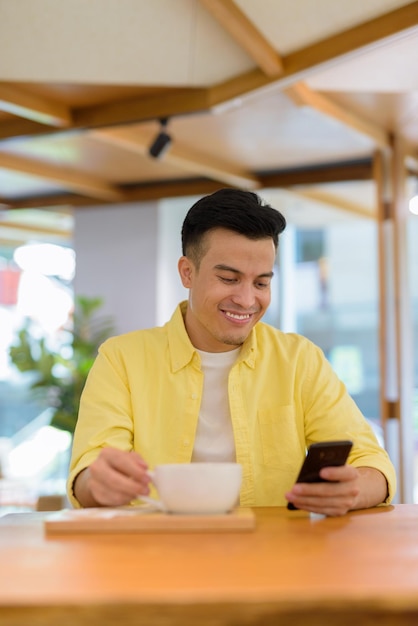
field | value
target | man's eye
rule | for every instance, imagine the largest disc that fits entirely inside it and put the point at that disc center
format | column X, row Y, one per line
column 227, row 280
column 263, row 285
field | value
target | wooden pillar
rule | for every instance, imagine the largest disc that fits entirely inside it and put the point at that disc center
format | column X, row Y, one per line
column 395, row 331
column 404, row 327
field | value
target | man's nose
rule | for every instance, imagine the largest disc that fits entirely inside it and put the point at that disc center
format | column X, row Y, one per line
column 244, row 295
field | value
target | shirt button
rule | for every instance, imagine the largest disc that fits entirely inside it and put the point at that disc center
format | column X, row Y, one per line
column 186, row 442
column 194, row 396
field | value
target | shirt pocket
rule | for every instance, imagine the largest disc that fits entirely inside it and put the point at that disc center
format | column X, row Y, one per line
column 280, row 442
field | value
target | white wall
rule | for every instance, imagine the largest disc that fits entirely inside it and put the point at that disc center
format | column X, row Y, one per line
column 170, row 291
column 117, row 258
column 128, row 254
column 352, row 249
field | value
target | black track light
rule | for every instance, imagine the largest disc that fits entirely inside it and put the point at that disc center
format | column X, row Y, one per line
column 162, row 141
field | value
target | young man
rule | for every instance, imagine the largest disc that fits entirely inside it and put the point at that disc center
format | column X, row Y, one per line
column 216, row 384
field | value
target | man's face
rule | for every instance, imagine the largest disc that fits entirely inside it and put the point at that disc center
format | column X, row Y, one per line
column 230, row 291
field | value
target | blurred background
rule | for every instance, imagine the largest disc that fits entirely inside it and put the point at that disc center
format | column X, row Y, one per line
column 116, row 116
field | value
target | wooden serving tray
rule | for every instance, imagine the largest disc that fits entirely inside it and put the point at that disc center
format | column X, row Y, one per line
column 142, row 519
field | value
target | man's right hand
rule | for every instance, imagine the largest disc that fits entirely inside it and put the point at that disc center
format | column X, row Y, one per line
column 115, row 478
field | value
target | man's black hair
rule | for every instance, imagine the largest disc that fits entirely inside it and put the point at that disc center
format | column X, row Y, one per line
column 234, row 209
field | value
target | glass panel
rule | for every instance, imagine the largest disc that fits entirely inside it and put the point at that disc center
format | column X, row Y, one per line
column 32, row 453
column 335, row 302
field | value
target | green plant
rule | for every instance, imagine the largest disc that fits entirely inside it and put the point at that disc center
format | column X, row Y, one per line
column 60, row 375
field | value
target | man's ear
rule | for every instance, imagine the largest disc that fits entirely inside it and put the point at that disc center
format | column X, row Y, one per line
column 186, row 269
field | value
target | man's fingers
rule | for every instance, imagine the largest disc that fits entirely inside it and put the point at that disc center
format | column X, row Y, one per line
column 117, row 477
column 342, row 473
column 335, row 497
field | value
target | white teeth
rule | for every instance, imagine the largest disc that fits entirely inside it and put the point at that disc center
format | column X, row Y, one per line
column 237, row 317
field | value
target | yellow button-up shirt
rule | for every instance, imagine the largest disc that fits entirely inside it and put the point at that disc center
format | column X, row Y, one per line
column 144, row 390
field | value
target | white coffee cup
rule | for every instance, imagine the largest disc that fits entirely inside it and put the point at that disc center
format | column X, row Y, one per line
column 196, row 488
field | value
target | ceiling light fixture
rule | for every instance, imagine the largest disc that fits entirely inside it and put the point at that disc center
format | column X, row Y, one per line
column 162, row 141
column 413, row 205
column 413, row 202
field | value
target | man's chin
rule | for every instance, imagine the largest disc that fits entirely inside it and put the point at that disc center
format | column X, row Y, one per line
column 234, row 341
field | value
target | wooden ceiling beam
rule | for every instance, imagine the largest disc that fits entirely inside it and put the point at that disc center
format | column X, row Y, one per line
column 336, row 202
column 132, row 193
column 57, row 175
column 329, row 173
column 33, row 107
column 172, row 102
column 18, row 127
column 133, row 110
column 366, row 36
column 302, row 63
column 245, row 33
column 302, row 95
column 172, row 189
column 34, row 228
column 53, row 200
column 346, row 171
column 182, row 157
column 296, row 67
column 213, row 168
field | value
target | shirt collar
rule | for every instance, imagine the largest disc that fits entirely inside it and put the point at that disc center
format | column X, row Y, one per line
column 182, row 350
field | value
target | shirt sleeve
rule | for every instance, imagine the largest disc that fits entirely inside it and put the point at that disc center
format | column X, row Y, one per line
column 331, row 413
column 105, row 415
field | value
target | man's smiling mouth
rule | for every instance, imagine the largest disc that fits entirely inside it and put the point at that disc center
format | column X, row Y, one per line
column 238, row 316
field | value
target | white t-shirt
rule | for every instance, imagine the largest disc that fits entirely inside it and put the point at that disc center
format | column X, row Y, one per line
column 214, row 437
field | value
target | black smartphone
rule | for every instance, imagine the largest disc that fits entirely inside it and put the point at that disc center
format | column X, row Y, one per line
column 322, row 454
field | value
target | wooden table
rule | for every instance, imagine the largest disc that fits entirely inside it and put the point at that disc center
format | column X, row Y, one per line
column 294, row 569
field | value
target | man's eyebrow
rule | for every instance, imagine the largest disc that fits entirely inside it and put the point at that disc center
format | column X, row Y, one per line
column 227, row 268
